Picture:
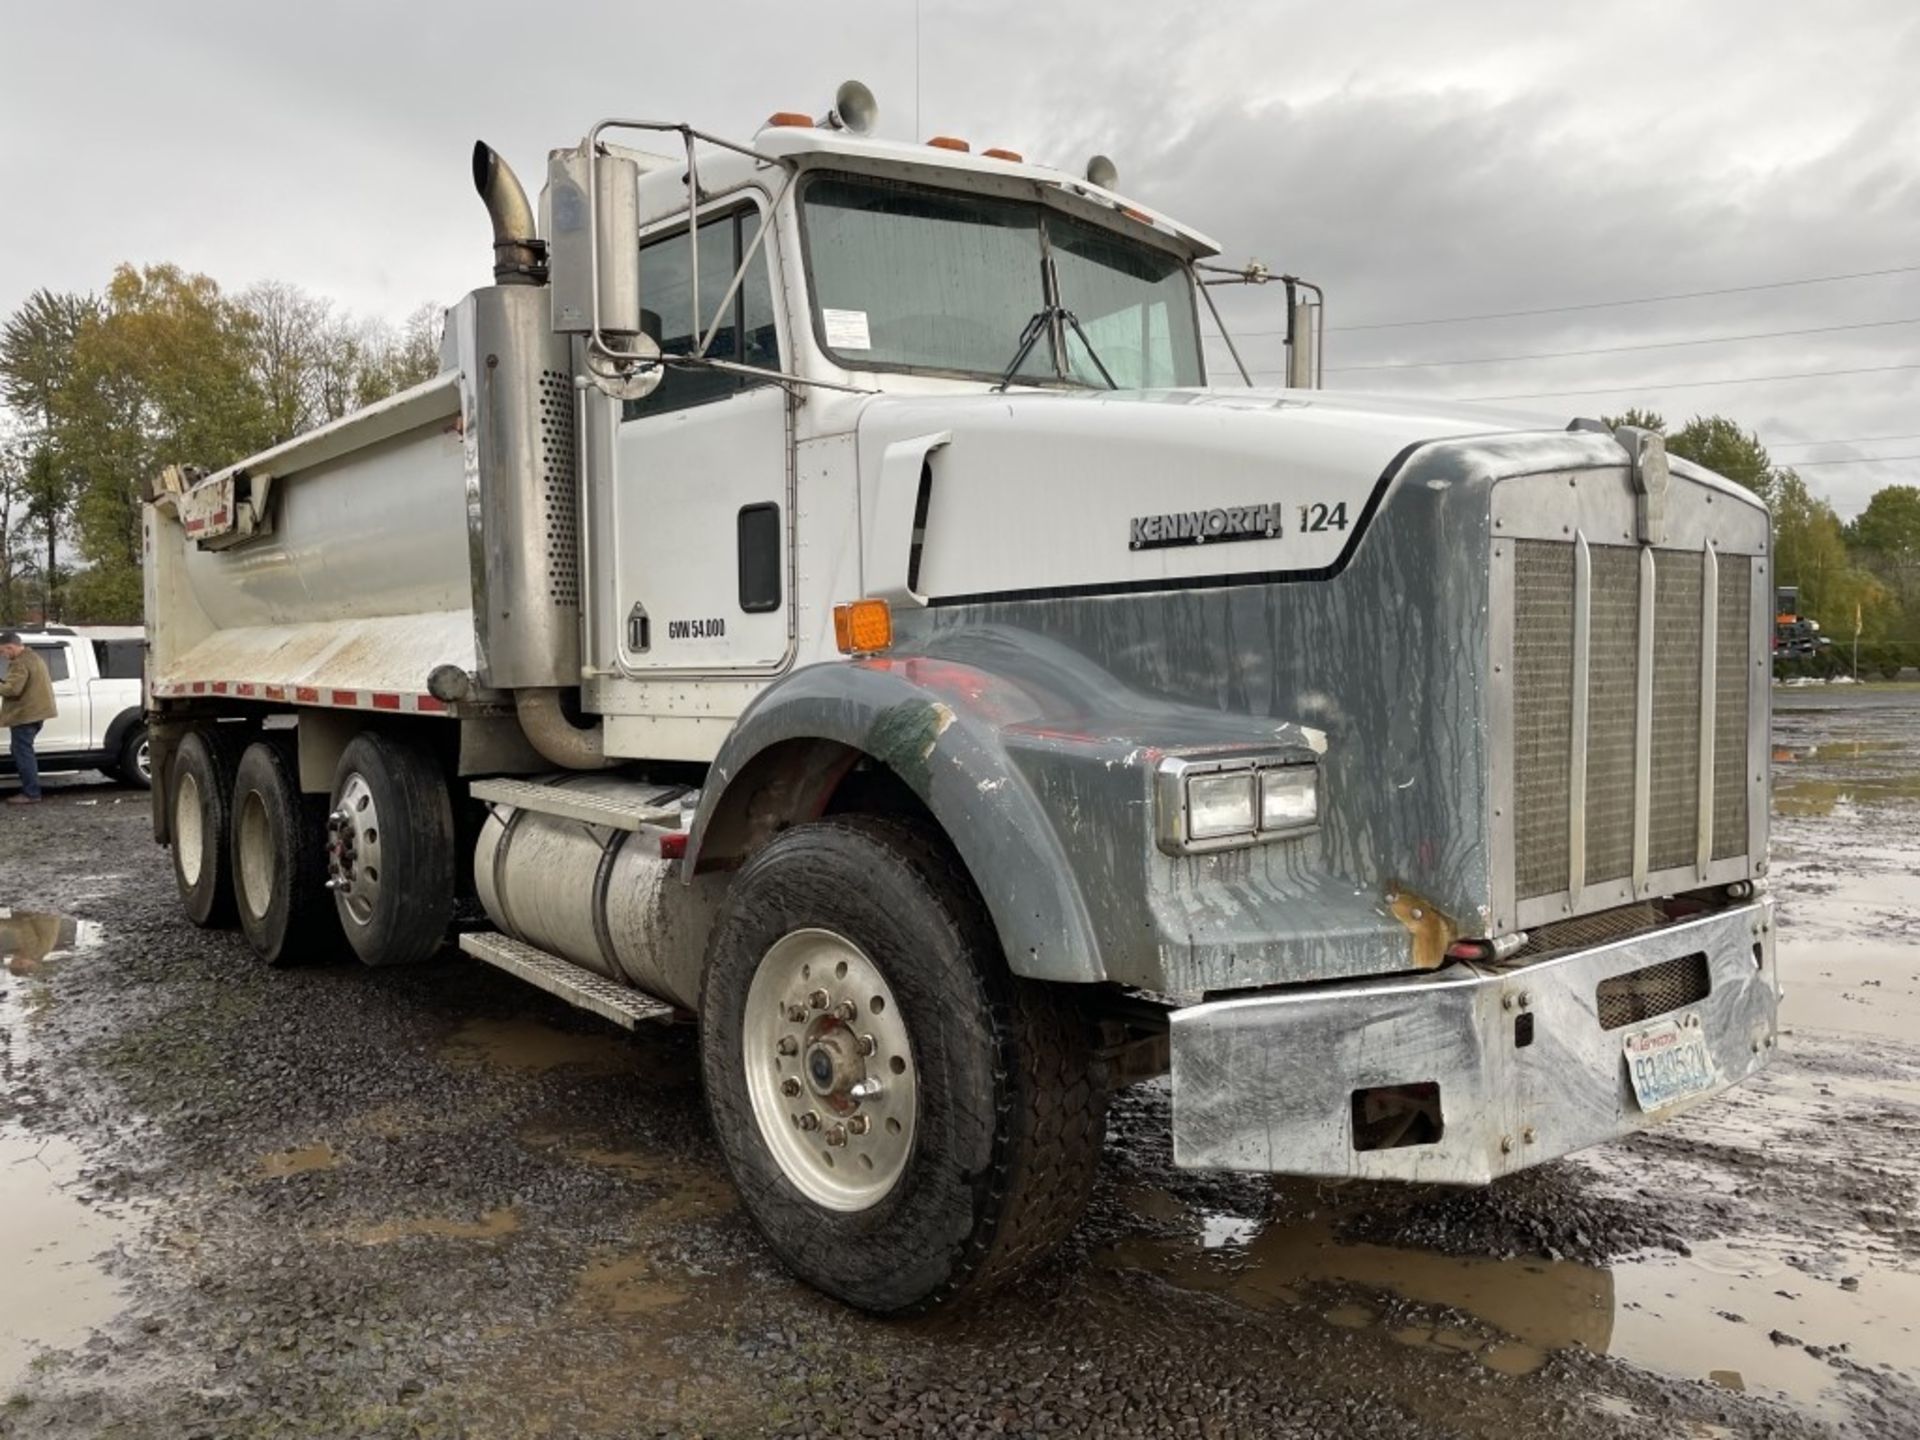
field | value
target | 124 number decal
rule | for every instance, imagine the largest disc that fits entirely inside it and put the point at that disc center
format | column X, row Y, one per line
column 1323, row 517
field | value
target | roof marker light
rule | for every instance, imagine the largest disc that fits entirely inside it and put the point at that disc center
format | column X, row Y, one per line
column 788, row 119
column 998, row 154
column 948, row 142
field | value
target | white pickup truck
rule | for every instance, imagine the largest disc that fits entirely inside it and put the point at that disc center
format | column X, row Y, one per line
column 96, row 684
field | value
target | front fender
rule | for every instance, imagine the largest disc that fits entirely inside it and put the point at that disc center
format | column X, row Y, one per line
column 940, row 725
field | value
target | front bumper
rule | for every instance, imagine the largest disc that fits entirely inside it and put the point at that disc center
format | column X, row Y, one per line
column 1268, row 1082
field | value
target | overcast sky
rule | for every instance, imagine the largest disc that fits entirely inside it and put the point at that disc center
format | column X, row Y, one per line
column 1421, row 161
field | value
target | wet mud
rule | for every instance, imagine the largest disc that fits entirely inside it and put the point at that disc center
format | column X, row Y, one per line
column 333, row 1202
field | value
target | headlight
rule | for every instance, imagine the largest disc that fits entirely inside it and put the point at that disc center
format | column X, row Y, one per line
column 1289, row 798
column 1206, row 804
column 1220, row 805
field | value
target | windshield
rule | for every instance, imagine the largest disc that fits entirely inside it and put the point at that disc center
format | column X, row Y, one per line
column 906, row 277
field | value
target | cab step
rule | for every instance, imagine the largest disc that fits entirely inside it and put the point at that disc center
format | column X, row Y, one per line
column 617, row 812
column 579, row 987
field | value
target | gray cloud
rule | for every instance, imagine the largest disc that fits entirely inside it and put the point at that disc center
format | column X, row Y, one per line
column 1419, row 160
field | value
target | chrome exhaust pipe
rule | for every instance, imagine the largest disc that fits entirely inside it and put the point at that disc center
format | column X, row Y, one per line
column 519, row 254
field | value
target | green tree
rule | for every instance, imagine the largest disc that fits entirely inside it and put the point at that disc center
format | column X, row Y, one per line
column 165, row 371
column 36, row 370
column 1724, row 448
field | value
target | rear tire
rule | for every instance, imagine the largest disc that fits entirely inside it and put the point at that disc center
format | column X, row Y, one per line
column 280, row 860
column 200, row 797
column 135, row 765
column 999, row 1098
column 390, row 849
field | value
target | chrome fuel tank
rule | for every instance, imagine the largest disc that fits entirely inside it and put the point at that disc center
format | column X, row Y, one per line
column 601, row 897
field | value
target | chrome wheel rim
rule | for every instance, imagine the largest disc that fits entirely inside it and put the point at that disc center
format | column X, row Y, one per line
column 143, row 761
column 353, row 851
column 189, row 835
column 254, row 836
column 829, row 1070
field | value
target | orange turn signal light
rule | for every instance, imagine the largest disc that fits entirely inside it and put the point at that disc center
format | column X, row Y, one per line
column 863, row 627
column 947, row 142
column 998, row 154
column 792, row 118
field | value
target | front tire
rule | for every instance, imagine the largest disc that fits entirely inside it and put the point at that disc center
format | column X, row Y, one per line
column 280, row 860
column 200, row 792
column 906, row 1121
column 390, row 849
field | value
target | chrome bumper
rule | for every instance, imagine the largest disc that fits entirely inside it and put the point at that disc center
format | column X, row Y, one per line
column 1268, row 1082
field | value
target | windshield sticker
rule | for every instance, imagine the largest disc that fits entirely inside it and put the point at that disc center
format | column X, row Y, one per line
column 846, row 329
column 1198, row 527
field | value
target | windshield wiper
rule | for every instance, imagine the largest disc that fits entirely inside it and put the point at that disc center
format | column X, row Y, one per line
column 1036, row 327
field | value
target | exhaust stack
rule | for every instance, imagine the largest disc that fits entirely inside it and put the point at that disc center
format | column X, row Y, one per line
column 519, row 254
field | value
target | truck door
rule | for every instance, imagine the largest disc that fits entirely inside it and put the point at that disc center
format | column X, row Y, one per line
column 68, row 731
column 700, row 489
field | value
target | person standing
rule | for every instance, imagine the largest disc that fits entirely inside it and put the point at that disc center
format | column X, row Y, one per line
column 26, row 703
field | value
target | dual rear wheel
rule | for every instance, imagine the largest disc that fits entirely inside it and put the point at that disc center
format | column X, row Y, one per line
column 300, row 872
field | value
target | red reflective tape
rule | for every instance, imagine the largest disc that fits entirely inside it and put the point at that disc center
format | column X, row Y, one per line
column 199, row 687
column 243, row 687
column 383, row 701
column 307, row 693
column 346, row 697
column 219, row 687
column 275, row 692
column 428, row 702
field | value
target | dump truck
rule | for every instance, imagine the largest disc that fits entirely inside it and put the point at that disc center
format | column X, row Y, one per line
column 829, row 596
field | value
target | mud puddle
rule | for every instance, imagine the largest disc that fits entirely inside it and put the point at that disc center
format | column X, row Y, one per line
column 1734, row 1313
column 526, row 1044
column 52, row 1233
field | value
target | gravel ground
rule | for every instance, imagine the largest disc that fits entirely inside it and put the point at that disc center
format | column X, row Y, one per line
column 334, row 1202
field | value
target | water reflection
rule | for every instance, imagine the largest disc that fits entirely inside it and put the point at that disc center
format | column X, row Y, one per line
column 30, row 938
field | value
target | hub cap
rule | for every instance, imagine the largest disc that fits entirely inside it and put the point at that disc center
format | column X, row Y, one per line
column 353, row 851
column 829, row 1069
column 189, row 840
column 143, row 760
column 256, row 856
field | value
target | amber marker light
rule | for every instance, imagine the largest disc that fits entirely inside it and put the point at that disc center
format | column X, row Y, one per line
column 790, row 119
column 998, row 154
column 948, row 142
column 863, row 627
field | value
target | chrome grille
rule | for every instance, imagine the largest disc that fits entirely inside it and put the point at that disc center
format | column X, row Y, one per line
column 1546, row 701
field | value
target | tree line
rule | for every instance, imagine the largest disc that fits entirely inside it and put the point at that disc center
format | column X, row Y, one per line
column 1867, row 568
column 162, row 366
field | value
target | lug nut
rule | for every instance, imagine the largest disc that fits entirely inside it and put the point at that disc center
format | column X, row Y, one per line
column 789, row 1086
column 837, row 1135
column 859, row 1125
column 846, row 1010
column 808, row 1121
column 796, row 1013
column 789, row 1045
column 818, row 999
column 1506, row 1144
column 1527, row 1135
column 867, row 1045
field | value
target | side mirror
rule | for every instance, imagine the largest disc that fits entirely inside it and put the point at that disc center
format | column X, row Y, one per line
column 595, row 248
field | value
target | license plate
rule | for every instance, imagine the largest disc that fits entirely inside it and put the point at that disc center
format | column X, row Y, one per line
column 1668, row 1061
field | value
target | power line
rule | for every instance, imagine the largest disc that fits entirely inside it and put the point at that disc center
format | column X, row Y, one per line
column 1631, row 387
column 1609, row 304
column 1856, row 440
column 1856, row 460
column 1617, row 349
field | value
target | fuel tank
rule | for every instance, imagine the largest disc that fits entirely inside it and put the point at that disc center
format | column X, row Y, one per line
column 601, row 897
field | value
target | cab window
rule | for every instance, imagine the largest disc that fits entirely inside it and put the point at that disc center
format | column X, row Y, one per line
column 746, row 333
column 56, row 658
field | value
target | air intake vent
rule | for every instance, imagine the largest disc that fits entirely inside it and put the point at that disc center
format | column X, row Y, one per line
column 1657, row 990
column 559, row 489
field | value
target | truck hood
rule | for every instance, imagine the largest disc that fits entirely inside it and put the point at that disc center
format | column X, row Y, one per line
column 1024, row 495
